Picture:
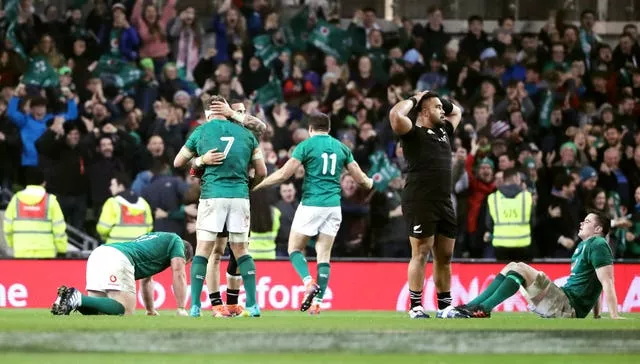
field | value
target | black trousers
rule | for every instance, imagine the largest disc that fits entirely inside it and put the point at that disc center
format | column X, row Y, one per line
column 513, row 254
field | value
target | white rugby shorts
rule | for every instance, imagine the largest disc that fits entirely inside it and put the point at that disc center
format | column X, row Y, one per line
column 108, row 269
column 214, row 213
column 311, row 220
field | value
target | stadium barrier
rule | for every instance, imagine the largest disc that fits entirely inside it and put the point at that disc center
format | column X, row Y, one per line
column 353, row 286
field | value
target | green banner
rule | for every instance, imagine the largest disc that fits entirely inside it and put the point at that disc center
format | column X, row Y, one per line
column 125, row 74
column 382, row 171
column 269, row 94
column 40, row 73
column 331, row 40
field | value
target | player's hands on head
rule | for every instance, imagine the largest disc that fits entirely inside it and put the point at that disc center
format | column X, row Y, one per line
column 213, row 157
column 221, row 108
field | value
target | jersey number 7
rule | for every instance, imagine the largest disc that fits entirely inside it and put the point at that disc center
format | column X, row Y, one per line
column 229, row 141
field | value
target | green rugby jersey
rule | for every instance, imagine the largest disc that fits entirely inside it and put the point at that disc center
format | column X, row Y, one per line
column 151, row 253
column 323, row 158
column 230, row 179
column 583, row 287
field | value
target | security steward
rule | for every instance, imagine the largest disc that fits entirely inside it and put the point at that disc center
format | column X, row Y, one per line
column 33, row 222
column 510, row 219
column 125, row 216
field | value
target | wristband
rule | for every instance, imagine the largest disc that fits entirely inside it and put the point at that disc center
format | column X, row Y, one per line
column 198, row 162
column 414, row 101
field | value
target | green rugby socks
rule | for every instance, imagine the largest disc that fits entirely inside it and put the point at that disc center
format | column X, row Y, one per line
column 300, row 265
column 198, row 272
column 248, row 271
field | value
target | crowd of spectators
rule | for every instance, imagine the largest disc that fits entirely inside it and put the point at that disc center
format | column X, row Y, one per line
column 558, row 104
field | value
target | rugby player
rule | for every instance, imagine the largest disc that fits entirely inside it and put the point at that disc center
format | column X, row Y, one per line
column 426, row 199
column 323, row 158
column 112, row 271
column 224, row 199
column 234, row 279
column 591, row 273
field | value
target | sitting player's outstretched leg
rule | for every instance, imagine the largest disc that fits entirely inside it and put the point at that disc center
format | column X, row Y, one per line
column 505, row 285
column 297, row 242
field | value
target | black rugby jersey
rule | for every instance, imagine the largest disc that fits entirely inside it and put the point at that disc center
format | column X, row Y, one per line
column 428, row 155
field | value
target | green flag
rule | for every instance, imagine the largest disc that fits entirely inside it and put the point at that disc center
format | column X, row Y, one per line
column 124, row 74
column 331, row 40
column 10, row 20
column 265, row 49
column 269, row 94
column 296, row 33
column 40, row 73
column 382, row 171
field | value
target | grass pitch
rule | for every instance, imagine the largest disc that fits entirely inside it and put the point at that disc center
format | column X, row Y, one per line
column 292, row 337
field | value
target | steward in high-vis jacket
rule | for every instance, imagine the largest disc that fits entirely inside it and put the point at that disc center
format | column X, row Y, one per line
column 33, row 223
column 125, row 216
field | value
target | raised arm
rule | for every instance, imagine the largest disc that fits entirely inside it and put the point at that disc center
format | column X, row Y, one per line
column 605, row 276
column 250, row 122
column 400, row 123
column 359, row 176
column 454, row 116
column 280, row 175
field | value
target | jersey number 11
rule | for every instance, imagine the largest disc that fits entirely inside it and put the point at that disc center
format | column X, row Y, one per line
column 325, row 163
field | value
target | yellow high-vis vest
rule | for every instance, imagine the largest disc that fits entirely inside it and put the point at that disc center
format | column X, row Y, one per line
column 263, row 245
column 511, row 218
column 122, row 221
column 34, row 224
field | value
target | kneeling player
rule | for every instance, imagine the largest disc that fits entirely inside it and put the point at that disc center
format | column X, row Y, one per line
column 591, row 273
column 112, row 271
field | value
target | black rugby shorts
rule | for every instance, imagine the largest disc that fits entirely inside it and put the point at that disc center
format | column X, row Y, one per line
column 428, row 218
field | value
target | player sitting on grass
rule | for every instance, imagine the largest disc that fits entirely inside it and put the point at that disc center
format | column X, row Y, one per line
column 112, row 271
column 591, row 273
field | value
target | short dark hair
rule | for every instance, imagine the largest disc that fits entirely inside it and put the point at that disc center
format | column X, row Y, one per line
column 319, row 122
column 628, row 26
column 473, row 18
column 508, row 17
column 426, row 97
column 38, row 101
column 123, row 179
column 34, row 176
column 188, row 251
column 603, row 220
column 587, row 12
column 433, row 8
column 561, row 180
column 369, row 9
column 510, row 173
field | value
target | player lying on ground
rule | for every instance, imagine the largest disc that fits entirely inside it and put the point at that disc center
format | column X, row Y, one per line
column 323, row 158
column 112, row 271
column 591, row 273
column 224, row 199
